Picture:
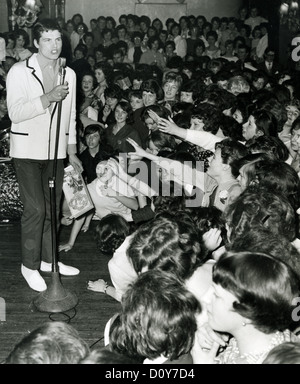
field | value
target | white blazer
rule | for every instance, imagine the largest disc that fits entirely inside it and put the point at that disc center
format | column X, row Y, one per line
column 33, row 130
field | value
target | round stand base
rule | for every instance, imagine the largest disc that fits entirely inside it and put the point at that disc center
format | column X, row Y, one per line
column 56, row 299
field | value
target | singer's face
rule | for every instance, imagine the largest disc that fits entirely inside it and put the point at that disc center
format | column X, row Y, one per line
column 50, row 45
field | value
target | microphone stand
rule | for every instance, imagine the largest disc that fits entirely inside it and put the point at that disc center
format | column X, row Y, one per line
column 56, row 299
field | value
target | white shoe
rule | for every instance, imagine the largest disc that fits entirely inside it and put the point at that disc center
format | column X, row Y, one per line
column 64, row 270
column 34, row 279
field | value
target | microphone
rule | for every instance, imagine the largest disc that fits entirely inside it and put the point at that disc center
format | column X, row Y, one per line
column 62, row 62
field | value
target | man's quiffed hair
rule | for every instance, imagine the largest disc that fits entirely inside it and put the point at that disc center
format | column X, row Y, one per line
column 45, row 25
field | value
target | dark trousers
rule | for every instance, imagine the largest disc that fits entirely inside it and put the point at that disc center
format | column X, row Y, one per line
column 33, row 178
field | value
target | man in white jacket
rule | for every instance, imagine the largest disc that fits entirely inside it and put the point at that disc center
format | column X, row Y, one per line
column 34, row 90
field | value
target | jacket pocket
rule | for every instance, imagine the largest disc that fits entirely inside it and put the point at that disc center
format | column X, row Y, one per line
column 19, row 133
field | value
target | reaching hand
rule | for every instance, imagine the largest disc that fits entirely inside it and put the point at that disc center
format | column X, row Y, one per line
column 97, row 286
column 106, row 110
column 139, row 151
column 206, row 337
column 65, row 247
column 168, row 126
column 154, row 116
column 212, row 239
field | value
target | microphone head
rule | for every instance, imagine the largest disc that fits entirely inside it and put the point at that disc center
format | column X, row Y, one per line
column 62, row 65
column 62, row 61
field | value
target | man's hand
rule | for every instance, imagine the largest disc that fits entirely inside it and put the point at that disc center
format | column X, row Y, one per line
column 59, row 93
column 76, row 163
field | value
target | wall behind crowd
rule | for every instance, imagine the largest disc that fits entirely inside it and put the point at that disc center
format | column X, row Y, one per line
column 93, row 8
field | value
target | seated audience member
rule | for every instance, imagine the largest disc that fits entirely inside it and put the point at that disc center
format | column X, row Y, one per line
column 180, row 42
column 152, row 92
column 113, row 95
column 259, row 239
column 244, row 61
column 212, row 50
column 274, row 175
column 259, row 80
column 110, row 196
column 118, row 132
column 230, row 128
column 181, row 240
column 254, row 19
column 110, row 235
column 256, row 36
column 222, row 188
column 260, row 122
column 238, row 85
column 169, row 52
column 269, row 66
column 293, row 112
column 171, row 85
column 88, row 103
column 20, row 50
column 96, row 150
column 157, row 323
column 144, row 123
column 161, row 144
column 212, row 229
column 80, row 64
column 284, row 354
column 135, row 97
column 191, row 92
column 229, row 52
column 271, row 146
column 254, row 307
column 153, row 56
column 262, row 208
column 240, row 109
column 103, row 74
column 136, row 49
column 52, row 343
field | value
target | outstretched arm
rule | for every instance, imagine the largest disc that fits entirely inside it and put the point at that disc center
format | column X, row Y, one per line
column 102, row 287
column 201, row 138
column 132, row 181
column 181, row 173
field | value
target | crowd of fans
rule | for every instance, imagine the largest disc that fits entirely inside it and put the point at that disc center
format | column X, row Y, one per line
column 189, row 136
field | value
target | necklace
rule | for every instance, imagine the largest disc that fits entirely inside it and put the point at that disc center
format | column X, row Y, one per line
column 232, row 353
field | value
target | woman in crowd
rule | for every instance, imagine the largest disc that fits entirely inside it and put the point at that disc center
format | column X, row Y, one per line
column 254, row 307
column 20, row 51
column 153, row 56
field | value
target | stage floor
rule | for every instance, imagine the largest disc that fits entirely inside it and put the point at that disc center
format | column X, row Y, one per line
column 92, row 311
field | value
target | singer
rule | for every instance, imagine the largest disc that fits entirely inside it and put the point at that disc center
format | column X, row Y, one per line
column 35, row 88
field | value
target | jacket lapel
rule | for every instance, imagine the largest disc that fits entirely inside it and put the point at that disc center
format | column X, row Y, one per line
column 32, row 64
